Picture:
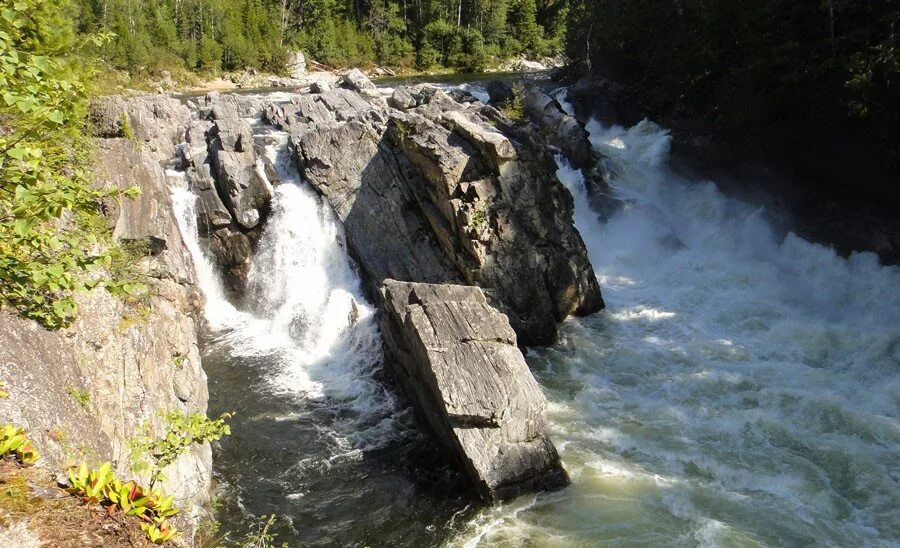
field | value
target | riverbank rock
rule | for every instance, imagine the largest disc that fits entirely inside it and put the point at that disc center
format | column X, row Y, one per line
column 458, row 356
column 296, row 64
column 355, row 80
column 84, row 391
column 572, row 139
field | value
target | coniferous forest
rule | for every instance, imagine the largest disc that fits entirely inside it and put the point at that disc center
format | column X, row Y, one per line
column 751, row 64
column 234, row 34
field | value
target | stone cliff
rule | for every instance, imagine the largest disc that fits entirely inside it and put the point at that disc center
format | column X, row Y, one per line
column 82, row 392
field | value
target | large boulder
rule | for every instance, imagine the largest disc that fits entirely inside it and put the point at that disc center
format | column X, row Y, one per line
column 296, row 64
column 355, row 80
column 457, row 356
column 499, row 91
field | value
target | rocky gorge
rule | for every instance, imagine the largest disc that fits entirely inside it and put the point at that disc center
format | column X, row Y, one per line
column 428, row 192
column 396, row 289
column 459, row 227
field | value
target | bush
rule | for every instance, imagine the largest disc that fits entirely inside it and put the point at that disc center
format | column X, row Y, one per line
column 44, row 158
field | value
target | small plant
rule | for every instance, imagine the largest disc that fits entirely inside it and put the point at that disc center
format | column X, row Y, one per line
column 127, row 130
column 154, row 454
column 90, row 485
column 403, row 128
column 515, row 108
column 262, row 538
column 178, row 360
column 100, row 486
column 83, row 397
column 14, row 441
column 479, row 216
column 159, row 533
column 4, row 390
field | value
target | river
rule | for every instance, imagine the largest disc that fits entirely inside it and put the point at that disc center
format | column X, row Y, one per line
column 741, row 389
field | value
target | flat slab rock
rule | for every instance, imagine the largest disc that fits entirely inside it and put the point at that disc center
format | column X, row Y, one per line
column 458, row 359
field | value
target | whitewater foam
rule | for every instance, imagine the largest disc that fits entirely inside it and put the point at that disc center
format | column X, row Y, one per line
column 741, row 388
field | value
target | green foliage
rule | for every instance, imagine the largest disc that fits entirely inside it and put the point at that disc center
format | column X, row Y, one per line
column 192, row 34
column 211, row 35
column 44, row 260
column 14, row 441
column 127, row 130
column 261, row 537
column 4, row 390
column 154, row 454
column 100, row 486
column 514, row 108
column 752, row 65
column 479, row 216
column 81, row 396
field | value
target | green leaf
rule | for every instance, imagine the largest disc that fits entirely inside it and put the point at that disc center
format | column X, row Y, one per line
column 23, row 226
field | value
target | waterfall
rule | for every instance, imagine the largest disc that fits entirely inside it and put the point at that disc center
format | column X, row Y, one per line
column 306, row 314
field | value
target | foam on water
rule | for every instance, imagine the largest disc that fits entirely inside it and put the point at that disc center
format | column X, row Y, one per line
column 741, row 389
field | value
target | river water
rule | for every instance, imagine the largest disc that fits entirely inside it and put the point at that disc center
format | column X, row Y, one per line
column 741, row 389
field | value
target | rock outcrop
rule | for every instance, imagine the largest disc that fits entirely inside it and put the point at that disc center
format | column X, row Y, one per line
column 82, row 392
column 572, row 139
column 463, row 235
column 458, row 356
column 155, row 121
column 434, row 193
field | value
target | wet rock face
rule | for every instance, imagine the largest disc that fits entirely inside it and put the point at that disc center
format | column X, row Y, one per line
column 458, row 356
column 435, row 193
column 569, row 135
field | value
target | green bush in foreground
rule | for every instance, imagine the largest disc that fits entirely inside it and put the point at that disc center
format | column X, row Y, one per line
column 44, row 151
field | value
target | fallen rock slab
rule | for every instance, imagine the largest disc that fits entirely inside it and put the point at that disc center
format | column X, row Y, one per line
column 458, row 360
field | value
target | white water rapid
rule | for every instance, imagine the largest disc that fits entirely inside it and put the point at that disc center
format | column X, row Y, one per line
column 741, row 389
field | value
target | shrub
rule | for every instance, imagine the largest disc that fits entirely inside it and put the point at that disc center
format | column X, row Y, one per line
column 43, row 159
column 154, row 454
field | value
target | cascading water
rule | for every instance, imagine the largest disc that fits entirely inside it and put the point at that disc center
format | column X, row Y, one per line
column 318, row 438
column 742, row 389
